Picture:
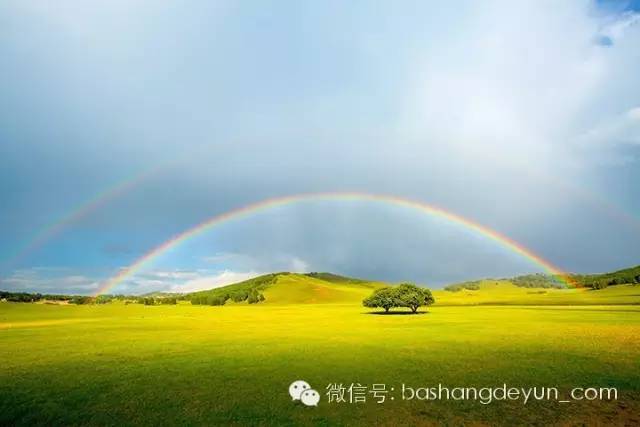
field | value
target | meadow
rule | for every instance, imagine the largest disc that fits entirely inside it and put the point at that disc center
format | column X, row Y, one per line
column 118, row 364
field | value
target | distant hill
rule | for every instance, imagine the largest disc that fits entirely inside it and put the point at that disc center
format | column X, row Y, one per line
column 600, row 281
column 542, row 281
column 289, row 288
column 618, row 287
column 594, row 281
column 159, row 294
column 237, row 292
column 505, row 292
column 335, row 278
column 323, row 287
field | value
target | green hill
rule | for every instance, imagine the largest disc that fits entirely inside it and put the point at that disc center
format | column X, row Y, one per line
column 237, row 292
column 506, row 292
column 335, row 278
column 289, row 288
column 322, row 288
column 600, row 281
column 627, row 276
column 305, row 289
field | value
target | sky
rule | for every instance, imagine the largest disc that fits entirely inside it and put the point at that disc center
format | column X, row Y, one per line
column 125, row 123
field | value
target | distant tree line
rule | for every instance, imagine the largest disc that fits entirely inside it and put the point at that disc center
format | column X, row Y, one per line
column 457, row 287
column 334, row 278
column 404, row 295
column 539, row 280
column 27, row 297
column 32, row 297
column 248, row 290
column 628, row 276
column 252, row 296
column 601, row 281
column 546, row 281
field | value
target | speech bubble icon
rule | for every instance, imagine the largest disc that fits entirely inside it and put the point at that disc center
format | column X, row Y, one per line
column 310, row 397
column 297, row 387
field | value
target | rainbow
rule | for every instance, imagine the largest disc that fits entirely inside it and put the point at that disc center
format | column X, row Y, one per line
column 76, row 213
column 251, row 209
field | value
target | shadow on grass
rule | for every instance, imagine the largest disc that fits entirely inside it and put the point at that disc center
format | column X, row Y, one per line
column 396, row 313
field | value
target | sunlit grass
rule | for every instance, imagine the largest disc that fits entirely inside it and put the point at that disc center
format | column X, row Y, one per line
column 117, row 364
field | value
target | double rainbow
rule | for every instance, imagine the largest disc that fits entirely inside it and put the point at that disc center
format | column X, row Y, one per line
column 254, row 208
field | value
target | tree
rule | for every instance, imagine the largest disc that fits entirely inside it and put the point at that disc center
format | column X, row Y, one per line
column 254, row 296
column 103, row 299
column 217, row 299
column 412, row 296
column 384, row 298
column 404, row 295
column 79, row 299
column 600, row 284
column 239, row 296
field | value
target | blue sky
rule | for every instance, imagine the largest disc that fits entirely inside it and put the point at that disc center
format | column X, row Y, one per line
column 524, row 118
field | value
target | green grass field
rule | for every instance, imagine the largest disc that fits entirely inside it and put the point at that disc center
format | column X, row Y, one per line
column 118, row 364
column 502, row 292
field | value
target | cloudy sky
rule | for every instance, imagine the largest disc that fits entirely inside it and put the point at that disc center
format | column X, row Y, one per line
column 123, row 123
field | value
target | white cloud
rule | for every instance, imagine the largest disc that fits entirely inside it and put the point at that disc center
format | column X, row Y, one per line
column 299, row 266
column 174, row 275
column 48, row 281
column 214, row 281
column 181, row 280
column 59, row 280
column 619, row 130
column 226, row 257
column 519, row 83
column 616, row 28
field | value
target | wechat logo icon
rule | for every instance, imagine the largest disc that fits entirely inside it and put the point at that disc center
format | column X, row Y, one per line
column 302, row 391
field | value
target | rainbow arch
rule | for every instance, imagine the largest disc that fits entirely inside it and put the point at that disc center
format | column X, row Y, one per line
column 253, row 208
column 78, row 212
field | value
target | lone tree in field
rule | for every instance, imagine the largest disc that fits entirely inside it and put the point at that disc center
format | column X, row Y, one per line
column 412, row 296
column 384, row 297
column 404, row 295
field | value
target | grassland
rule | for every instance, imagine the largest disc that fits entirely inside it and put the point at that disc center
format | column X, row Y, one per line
column 503, row 292
column 119, row 364
column 323, row 288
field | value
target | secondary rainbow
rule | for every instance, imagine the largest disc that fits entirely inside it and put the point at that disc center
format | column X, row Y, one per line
column 78, row 212
column 254, row 208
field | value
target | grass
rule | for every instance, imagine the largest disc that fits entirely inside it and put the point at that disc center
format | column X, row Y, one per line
column 502, row 292
column 324, row 288
column 301, row 289
column 293, row 288
column 119, row 364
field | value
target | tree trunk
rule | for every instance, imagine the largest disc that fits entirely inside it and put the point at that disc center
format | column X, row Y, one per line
column 386, row 309
column 414, row 309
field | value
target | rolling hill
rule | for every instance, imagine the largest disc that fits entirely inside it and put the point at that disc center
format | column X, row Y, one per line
column 618, row 287
column 324, row 288
column 291, row 288
column 602, row 280
column 505, row 292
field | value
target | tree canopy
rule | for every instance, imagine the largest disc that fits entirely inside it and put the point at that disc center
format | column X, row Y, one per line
column 404, row 295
